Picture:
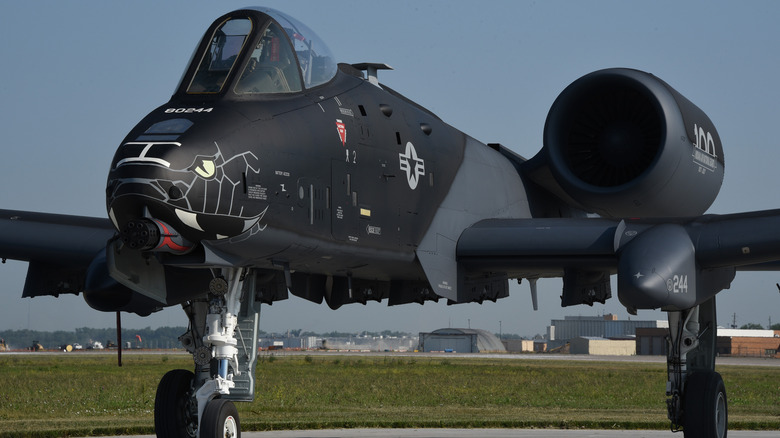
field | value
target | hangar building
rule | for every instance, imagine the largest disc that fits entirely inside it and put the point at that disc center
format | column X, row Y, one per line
column 607, row 326
column 460, row 340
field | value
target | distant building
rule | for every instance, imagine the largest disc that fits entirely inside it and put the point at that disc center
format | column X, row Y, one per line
column 370, row 343
column 518, row 345
column 752, row 343
column 279, row 342
column 351, row 343
column 540, row 346
column 603, row 347
column 459, row 340
column 651, row 341
column 730, row 342
column 607, row 326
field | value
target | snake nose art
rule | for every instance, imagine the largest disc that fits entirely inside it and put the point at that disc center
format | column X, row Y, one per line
column 180, row 185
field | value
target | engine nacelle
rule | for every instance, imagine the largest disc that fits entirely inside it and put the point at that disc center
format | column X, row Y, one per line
column 623, row 143
column 103, row 293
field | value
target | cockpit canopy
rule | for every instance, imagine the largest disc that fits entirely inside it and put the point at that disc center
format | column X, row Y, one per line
column 273, row 52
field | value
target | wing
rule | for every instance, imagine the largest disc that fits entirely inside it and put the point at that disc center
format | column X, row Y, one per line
column 59, row 248
column 669, row 264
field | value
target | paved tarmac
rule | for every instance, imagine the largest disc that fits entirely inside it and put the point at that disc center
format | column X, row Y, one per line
column 482, row 433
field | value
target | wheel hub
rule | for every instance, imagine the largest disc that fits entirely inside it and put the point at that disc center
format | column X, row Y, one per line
column 231, row 429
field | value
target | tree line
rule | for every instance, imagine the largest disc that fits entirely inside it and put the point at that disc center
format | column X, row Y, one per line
column 159, row 338
column 754, row 326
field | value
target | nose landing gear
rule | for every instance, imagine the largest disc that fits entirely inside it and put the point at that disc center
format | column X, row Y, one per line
column 222, row 338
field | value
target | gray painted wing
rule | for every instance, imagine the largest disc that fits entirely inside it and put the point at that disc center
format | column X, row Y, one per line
column 674, row 264
column 745, row 241
column 59, row 248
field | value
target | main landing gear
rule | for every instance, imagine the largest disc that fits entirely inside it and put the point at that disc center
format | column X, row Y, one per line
column 697, row 401
column 222, row 338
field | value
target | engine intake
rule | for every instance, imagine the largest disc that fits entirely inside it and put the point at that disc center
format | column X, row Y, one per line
column 623, row 143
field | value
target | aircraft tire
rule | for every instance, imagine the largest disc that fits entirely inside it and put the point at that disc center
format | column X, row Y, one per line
column 705, row 406
column 220, row 420
column 173, row 406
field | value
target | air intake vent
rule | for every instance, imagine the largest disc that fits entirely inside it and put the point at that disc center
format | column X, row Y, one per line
column 615, row 133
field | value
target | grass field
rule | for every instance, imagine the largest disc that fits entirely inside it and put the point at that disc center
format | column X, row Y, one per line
column 80, row 395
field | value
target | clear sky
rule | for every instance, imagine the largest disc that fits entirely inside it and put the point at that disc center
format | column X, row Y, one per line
column 75, row 77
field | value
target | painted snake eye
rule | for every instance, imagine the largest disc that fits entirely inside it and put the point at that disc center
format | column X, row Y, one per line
column 206, row 169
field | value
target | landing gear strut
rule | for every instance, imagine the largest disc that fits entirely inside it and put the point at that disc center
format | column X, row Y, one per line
column 697, row 401
column 222, row 338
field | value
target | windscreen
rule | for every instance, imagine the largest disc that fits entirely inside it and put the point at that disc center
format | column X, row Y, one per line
column 220, row 57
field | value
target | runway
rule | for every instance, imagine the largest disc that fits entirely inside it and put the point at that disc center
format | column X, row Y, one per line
column 480, row 433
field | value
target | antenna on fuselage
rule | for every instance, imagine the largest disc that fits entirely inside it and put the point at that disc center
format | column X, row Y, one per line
column 371, row 69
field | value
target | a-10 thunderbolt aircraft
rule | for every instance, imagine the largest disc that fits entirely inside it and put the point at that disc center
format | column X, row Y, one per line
column 274, row 170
